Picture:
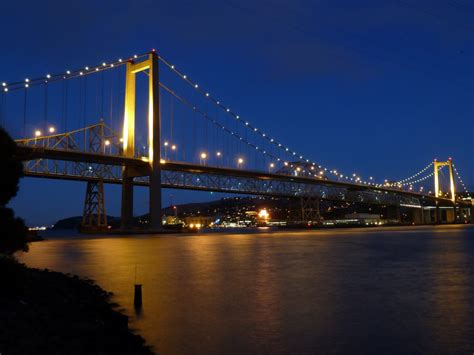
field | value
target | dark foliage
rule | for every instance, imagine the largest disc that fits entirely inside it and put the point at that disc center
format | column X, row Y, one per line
column 12, row 169
column 13, row 231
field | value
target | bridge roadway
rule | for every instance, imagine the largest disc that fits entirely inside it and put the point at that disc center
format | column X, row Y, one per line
column 211, row 178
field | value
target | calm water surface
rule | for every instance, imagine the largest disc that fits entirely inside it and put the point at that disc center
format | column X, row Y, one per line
column 377, row 291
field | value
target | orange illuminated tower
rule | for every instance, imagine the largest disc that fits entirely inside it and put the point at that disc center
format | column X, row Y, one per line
column 437, row 165
column 154, row 125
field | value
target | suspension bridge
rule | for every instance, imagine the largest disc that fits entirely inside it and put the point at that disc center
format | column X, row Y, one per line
column 141, row 121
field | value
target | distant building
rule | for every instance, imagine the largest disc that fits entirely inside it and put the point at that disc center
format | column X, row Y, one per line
column 199, row 221
column 366, row 219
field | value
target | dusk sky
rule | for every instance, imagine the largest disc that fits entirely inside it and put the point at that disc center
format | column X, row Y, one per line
column 380, row 88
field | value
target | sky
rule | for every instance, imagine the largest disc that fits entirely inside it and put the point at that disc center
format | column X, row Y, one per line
column 380, row 88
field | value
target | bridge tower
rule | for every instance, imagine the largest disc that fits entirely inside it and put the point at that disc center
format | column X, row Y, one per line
column 94, row 215
column 154, row 126
column 310, row 210
column 449, row 164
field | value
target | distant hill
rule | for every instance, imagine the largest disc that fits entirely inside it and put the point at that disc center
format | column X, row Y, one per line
column 221, row 207
column 279, row 207
column 75, row 222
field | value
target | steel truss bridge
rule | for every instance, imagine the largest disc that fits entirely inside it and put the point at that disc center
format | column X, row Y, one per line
column 97, row 154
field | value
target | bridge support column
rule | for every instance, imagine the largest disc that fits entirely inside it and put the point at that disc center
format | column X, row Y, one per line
column 310, row 210
column 450, row 215
column 94, row 216
column 154, row 142
column 154, row 138
column 127, row 198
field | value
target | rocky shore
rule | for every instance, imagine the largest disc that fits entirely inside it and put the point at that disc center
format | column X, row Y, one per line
column 45, row 312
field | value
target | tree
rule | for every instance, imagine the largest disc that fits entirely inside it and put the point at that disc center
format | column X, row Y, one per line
column 13, row 230
column 12, row 169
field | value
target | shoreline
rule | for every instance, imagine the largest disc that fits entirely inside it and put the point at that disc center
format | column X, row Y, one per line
column 59, row 233
column 45, row 311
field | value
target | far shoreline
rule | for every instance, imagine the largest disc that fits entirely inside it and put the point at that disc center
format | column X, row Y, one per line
column 72, row 233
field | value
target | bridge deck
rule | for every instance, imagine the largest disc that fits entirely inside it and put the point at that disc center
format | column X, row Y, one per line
column 211, row 178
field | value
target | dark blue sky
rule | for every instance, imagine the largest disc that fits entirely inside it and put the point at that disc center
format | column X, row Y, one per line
column 375, row 87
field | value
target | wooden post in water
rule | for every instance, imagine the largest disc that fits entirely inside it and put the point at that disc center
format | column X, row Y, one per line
column 137, row 298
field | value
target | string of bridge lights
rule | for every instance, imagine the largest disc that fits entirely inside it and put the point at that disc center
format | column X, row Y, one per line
column 255, row 130
column 401, row 182
column 414, row 182
column 460, row 180
column 68, row 74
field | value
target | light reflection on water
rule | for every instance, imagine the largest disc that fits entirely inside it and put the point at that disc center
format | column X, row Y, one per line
column 336, row 291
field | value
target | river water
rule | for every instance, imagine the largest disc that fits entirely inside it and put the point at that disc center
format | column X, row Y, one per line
column 351, row 291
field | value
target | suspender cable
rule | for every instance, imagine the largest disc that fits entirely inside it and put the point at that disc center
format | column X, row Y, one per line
column 194, row 145
column 183, row 137
column 97, row 104
column 25, row 99
column 65, row 105
column 171, row 119
column 206, row 140
column 45, row 118
column 2, row 113
column 111, row 111
column 81, row 102
column 102, row 95
column 84, row 113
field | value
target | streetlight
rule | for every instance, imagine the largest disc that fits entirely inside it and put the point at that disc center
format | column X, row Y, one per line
column 218, row 156
column 166, row 151
column 203, row 157
column 52, row 129
column 271, row 166
column 106, row 144
column 240, row 161
column 37, row 133
column 173, row 150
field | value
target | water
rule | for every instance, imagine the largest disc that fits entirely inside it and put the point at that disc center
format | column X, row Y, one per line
column 374, row 291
